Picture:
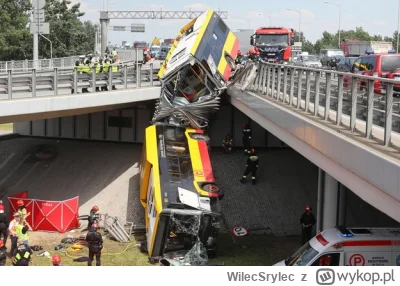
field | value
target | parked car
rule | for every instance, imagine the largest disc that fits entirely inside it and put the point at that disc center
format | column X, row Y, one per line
column 154, row 50
column 331, row 57
column 376, row 65
column 346, row 63
column 309, row 61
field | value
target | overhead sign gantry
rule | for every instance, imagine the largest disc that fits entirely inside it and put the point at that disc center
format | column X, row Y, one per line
column 106, row 16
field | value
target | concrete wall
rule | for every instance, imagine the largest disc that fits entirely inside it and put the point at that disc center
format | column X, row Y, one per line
column 108, row 125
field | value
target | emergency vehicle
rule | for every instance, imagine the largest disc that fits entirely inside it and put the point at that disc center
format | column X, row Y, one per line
column 349, row 247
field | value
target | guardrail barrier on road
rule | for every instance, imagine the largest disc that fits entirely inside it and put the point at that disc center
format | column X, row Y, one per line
column 17, row 85
column 370, row 99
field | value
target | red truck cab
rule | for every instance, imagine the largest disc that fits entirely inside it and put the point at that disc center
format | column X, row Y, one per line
column 274, row 44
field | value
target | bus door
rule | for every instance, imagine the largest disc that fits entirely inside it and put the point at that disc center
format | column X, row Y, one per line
column 151, row 211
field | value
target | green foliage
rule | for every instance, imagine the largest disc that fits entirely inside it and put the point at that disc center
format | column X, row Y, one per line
column 14, row 34
column 68, row 34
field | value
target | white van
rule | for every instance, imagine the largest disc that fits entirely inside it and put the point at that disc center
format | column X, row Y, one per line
column 349, row 247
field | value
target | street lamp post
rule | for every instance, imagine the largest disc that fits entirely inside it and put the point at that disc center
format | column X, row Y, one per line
column 298, row 11
column 270, row 18
column 340, row 12
column 398, row 28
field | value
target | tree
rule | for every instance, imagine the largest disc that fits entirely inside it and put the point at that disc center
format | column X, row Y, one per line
column 307, row 46
column 14, row 32
column 68, row 34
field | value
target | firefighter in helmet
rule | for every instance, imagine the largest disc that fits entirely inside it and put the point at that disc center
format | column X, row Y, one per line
column 95, row 243
column 56, row 260
column 92, row 216
column 251, row 167
column 307, row 221
column 23, row 214
column 227, row 143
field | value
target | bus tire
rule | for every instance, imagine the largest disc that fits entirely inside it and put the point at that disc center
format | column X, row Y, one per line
column 211, row 188
column 231, row 62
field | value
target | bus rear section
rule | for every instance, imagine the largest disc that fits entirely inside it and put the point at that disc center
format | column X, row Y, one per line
column 349, row 247
column 178, row 193
column 197, row 69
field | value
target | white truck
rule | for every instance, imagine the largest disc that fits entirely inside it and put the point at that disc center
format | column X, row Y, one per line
column 355, row 48
column 349, row 247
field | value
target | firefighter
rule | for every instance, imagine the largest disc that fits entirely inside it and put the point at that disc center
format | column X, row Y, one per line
column 92, row 216
column 22, row 256
column 239, row 57
column 56, row 260
column 3, row 253
column 307, row 221
column 227, row 143
column 246, row 138
column 3, row 225
column 95, row 242
column 22, row 210
column 251, row 167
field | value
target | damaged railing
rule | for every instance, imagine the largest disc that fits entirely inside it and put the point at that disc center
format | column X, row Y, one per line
column 370, row 99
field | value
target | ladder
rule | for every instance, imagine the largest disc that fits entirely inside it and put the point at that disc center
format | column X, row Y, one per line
column 116, row 229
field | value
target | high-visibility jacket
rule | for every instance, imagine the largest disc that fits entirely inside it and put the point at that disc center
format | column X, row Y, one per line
column 23, row 237
column 106, row 66
column 114, row 52
column 22, row 254
column 98, row 68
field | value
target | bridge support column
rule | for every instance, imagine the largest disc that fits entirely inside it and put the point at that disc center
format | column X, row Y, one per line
column 329, row 206
column 104, row 20
column 342, row 205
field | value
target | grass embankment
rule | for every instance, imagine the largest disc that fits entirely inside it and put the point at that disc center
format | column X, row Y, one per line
column 243, row 251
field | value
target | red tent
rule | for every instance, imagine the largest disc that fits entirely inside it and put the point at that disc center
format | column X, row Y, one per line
column 48, row 215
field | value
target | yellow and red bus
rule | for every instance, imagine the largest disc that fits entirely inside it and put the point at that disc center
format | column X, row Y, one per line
column 201, row 59
column 178, row 191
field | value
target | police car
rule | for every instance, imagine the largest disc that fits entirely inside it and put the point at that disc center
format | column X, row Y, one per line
column 349, row 247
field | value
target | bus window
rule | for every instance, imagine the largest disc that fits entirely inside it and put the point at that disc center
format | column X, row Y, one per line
column 182, row 232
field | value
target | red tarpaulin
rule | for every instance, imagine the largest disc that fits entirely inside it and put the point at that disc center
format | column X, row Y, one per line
column 48, row 215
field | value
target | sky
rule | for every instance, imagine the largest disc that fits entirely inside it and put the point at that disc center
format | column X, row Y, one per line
column 376, row 17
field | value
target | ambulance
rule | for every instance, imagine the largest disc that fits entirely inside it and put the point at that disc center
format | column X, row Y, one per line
column 349, row 247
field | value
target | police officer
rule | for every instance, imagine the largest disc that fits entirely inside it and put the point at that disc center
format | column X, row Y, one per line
column 227, row 143
column 95, row 242
column 22, row 256
column 115, row 66
column 106, row 67
column 307, row 221
column 251, row 167
column 79, row 64
column 92, row 216
column 114, row 52
column 246, row 138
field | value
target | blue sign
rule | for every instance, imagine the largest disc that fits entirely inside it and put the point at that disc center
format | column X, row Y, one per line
column 398, row 260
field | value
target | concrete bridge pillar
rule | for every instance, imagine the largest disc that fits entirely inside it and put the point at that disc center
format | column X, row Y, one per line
column 331, row 208
column 104, row 20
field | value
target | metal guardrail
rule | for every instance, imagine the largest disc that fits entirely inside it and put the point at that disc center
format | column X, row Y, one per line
column 129, row 75
column 367, row 98
column 66, row 62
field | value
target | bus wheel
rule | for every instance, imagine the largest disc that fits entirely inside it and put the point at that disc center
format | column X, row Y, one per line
column 231, row 62
column 211, row 188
